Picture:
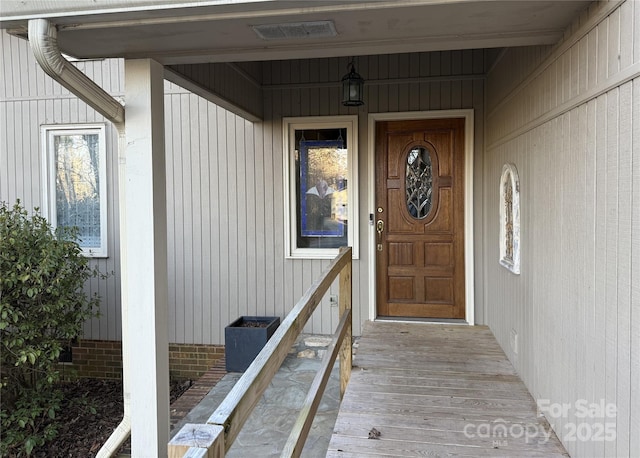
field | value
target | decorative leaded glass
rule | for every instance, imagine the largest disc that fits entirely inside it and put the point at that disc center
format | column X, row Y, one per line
column 419, row 182
column 508, row 220
column 78, row 185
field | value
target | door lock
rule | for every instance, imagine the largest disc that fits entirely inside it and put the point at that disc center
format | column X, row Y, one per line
column 380, row 230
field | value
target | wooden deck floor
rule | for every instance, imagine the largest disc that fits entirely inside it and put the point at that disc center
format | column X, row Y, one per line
column 437, row 390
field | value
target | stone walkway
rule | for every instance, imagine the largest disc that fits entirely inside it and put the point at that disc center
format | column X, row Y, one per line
column 267, row 429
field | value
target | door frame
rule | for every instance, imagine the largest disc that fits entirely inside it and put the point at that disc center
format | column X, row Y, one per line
column 467, row 114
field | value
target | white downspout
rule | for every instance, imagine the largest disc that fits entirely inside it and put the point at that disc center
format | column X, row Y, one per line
column 123, row 430
column 43, row 38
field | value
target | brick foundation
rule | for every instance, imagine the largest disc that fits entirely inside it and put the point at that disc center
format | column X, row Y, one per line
column 103, row 359
column 188, row 361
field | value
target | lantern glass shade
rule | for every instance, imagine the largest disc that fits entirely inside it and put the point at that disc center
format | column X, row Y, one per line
column 352, row 89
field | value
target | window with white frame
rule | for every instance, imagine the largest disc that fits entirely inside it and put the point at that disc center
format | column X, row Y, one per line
column 321, row 186
column 75, row 178
column 510, row 218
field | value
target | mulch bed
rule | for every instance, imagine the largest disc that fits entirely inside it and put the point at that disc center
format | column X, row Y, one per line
column 91, row 410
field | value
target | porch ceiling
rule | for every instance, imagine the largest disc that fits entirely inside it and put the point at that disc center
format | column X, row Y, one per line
column 179, row 32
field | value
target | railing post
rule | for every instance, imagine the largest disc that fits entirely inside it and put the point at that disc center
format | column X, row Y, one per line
column 195, row 440
column 213, row 440
column 345, row 304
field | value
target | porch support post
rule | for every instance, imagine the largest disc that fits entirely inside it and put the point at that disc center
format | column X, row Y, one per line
column 145, row 265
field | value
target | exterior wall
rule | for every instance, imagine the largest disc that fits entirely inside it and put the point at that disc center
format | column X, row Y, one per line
column 103, row 359
column 226, row 205
column 571, row 125
column 94, row 358
column 239, row 82
column 225, row 178
column 394, row 83
column 28, row 99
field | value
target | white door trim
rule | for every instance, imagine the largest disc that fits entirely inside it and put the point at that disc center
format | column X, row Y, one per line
column 468, row 197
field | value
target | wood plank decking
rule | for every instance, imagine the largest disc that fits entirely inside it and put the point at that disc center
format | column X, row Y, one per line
column 437, row 390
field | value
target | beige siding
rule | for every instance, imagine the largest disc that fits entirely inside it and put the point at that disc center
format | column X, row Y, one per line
column 236, row 86
column 396, row 83
column 216, row 252
column 225, row 178
column 29, row 99
column 572, row 127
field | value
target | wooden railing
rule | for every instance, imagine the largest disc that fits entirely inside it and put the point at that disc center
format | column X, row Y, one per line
column 213, row 439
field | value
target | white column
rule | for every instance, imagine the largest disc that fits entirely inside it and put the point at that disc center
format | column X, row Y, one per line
column 145, row 266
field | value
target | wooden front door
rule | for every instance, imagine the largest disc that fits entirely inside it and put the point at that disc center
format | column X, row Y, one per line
column 420, row 218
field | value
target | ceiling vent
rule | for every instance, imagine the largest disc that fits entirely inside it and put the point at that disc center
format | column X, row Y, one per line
column 296, row 30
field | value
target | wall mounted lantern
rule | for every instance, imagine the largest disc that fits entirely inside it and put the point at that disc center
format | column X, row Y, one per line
column 352, row 88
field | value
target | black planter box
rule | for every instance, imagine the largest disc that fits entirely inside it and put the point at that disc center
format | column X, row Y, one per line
column 242, row 343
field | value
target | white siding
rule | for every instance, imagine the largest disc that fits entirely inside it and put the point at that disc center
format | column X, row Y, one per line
column 571, row 125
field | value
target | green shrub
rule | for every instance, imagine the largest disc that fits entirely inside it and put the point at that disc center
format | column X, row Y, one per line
column 42, row 309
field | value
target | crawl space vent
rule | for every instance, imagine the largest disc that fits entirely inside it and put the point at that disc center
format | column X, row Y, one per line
column 315, row 29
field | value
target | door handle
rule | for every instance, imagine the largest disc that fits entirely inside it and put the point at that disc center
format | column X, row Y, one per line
column 380, row 230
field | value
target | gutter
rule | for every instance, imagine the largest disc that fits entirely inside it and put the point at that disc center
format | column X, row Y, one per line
column 43, row 39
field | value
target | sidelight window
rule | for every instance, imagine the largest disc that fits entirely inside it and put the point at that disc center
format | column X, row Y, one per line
column 510, row 218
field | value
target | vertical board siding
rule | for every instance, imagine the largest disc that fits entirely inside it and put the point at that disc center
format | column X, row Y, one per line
column 239, row 83
column 225, row 178
column 634, row 422
column 576, row 305
column 397, row 83
column 28, row 100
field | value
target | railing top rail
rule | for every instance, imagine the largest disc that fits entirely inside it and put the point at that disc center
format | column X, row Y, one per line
column 239, row 403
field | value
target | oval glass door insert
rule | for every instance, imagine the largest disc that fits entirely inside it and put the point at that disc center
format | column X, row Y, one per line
column 419, row 182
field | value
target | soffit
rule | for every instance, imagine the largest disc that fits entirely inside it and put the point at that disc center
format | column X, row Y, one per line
column 221, row 31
